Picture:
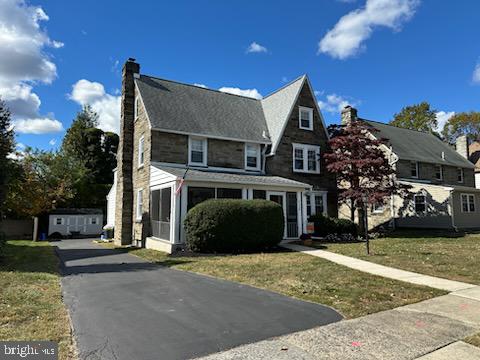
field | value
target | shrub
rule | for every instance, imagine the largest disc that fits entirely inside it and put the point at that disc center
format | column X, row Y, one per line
column 234, row 226
column 326, row 225
column 340, row 238
column 3, row 242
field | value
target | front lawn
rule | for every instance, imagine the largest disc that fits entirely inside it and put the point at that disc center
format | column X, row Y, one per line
column 351, row 292
column 449, row 258
column 31, row 306
column 474, row 340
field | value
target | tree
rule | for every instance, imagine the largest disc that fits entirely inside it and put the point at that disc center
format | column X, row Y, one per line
column 44, row 181
column 364, row 173
column 74, row 141
column 465, row 123
column 417, row 117
column 7, row 144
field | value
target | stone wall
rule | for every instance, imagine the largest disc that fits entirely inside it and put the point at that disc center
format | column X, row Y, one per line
column 124, row 198
column 427, row 171
column 281, row 164
column 228, row 154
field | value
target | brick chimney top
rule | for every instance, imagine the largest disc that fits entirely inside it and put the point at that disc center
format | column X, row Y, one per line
column 131, row 66
column 349, row 114
column 462, row 146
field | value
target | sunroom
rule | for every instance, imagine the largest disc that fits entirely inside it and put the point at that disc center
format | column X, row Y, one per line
column 175, row 190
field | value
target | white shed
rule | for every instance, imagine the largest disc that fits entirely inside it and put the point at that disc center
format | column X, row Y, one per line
column 68, row 222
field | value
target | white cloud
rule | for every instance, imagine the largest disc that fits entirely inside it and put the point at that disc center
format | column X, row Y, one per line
column 442, row 118
column 253, row 93
column 476, row 74
column 52, row 142
column 25, row 63
column 107, row 106
column 201, row 85
column 335, row 103
column 38, row 126
column 351, row 31
column 255, row 47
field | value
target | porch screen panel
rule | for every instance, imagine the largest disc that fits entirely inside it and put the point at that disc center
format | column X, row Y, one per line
column 292, row 224
column 259, row 194
column 160, row 213
column 229, row 193
column 198, row 194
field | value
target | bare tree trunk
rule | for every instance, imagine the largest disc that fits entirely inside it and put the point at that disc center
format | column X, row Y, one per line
column 352, row 210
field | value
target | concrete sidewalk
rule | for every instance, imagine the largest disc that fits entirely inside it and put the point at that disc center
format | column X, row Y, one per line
column 381, row 270
column 429, row 330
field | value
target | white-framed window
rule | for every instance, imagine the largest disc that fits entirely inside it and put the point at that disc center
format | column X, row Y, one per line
column 252, row 156
column 137, row 105
column 414, row 169
column 197, row 151
column 438, row 172
column 378, row 207
column 139, row 208
column 305, row 118
column 59, row 221
column 93, row 221
column 306, row 158
column 460, row 175
column 420, row 202
column 141, row 151
column 316, row 203
column 468, row 203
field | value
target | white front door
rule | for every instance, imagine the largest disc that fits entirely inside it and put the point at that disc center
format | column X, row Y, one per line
column 279, row 198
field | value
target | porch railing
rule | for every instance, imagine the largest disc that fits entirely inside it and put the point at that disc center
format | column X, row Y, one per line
column 161, row 229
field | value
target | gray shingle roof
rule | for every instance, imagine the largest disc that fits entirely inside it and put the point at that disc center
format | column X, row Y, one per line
column 277, row 106
column 233, row 178
column 419, row 146
column 194, row 110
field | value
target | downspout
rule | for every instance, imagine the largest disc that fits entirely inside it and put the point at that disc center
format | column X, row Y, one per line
column 451, row 210
column 264, row 157
column 392, row 197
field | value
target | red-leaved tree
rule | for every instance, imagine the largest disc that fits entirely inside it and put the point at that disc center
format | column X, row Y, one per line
column 362, row 166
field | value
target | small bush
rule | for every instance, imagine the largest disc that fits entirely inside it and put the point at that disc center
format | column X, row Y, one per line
column 3, row 242
column 234, row 226
column 340, row 238
column 326, row 225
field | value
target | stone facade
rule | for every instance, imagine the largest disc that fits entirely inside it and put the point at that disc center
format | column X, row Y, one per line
column 169, row 147
column 124, row 201
column 281, row 164
column 141, row 175
column 427, row 172
column 228, row 154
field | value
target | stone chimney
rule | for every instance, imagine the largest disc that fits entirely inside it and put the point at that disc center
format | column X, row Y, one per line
column 124, row 195
column 349, row 114
column 462, row 146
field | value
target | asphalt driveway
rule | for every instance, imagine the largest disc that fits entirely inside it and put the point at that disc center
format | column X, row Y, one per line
column 123, row 307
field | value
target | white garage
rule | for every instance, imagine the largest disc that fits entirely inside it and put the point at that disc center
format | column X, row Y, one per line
column 75, row 222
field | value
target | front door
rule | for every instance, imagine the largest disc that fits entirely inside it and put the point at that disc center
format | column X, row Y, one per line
column 279, row 198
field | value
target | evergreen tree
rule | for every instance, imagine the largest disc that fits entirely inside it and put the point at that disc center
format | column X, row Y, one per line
column 7, row 145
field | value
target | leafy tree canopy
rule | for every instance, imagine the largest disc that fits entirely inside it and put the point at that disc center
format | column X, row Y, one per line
column 465, row 123
column 417, row 117
column 7, row 145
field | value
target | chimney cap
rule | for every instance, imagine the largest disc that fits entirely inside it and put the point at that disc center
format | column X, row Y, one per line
column 130, row 59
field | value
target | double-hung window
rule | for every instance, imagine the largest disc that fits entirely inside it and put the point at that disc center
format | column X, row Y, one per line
column 460, row 175
column 139, row 210
column 197, row 151
column 316, row 203
column 141, row 146
column 414, row 169
column 420, row 203
column 252, row 156
column 305, row 116
column 306, row 158
column 378, row 207
column 468, row 203
column 439, row 172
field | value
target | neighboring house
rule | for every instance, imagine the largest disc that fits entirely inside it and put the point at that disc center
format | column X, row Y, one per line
column 82, row 221
column 442, row 180
column 233, row 146
column 474, row 157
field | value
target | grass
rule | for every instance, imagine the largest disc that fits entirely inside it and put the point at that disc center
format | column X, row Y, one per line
column 446, row 257
column 31, row 306
column 305, row 277
column 474, row 340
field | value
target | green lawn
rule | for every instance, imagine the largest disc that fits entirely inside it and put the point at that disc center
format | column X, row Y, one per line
column 474, row 340
column 31, row 306
column 450, row 258
column 351, row 292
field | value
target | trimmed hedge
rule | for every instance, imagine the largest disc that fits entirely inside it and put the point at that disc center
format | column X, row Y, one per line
column 234, row 226
column 326, row 225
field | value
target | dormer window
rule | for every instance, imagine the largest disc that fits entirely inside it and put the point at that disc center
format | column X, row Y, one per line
column 252, row 156
column 305, row 118
column 439, row 172
column 197, row 151
column 460, row 175
column 414, row 169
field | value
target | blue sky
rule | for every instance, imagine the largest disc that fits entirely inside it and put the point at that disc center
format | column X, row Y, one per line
column 378, row 55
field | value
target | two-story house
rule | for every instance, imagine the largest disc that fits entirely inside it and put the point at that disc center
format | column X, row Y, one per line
column 182, row 144
column 442, row 180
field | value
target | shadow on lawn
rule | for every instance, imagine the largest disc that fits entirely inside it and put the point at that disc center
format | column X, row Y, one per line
column 23, row 258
